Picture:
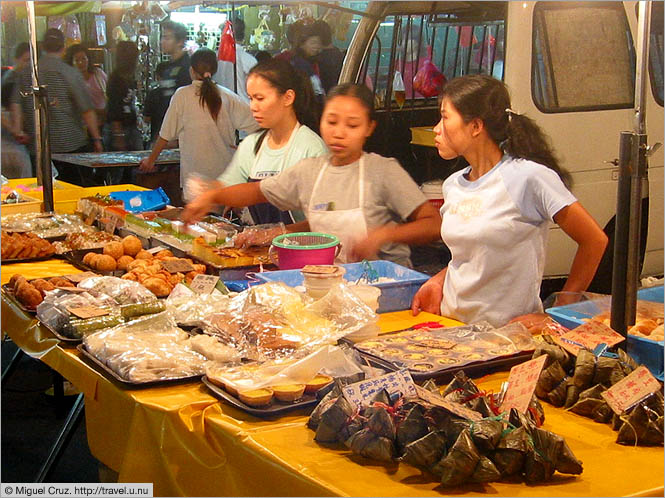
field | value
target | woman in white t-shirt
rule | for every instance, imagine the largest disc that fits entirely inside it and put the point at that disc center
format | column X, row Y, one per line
column 281, row 101
column 203, row 117
column 497, row 211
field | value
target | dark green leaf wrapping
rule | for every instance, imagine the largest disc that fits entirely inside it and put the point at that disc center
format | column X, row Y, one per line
column 333, row 420
column 616, row 374
column 567, row 463
column 585, row 367
column 572, row 394
column 541, row 459
column 602, row 414
column 460, row 462
column 461, row 382
column 589, row 401
column 604, row 368
column 642, row 429
column 510, row 452
column 549, row 378
column 557, row 396
column 324, row 404
column 616, row 422
column 536, row 410
column 626, row 361
column 455, row 427
column 381, row 423
column 481, row 406
column 486, row 434
column 369, row 445
column 554, row 352
column 518, row 419
column 426, row 451
column 413, row 427
column 485, row 471
column 654, row 433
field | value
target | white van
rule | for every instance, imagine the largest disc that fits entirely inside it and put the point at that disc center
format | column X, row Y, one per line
column 569, row 65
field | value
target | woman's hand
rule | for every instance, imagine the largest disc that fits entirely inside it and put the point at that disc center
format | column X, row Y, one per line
column 429, row 296
column 147, row 166
column 368, row 247
column 198, row 208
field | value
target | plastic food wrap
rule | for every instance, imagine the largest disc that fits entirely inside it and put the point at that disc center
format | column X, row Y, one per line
column 53, row 311
column 145, row 350
column 258, row 235
column 273, row 320
column 46, row 225
column 122, row 291
column 193, row 310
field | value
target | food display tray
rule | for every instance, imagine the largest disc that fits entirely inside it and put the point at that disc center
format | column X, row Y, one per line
column 130, row 383
column 75, row 257
column 274, row 409
column 234, row 272
column 9, row 292
column 403, row 349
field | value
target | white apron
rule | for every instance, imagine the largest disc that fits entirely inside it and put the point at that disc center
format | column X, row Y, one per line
column 348, row 225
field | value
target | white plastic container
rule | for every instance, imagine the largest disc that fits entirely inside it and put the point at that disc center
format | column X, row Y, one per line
column 433, row 190
column 317, row 285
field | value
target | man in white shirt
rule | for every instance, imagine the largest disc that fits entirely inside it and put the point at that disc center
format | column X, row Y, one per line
column 244, row 62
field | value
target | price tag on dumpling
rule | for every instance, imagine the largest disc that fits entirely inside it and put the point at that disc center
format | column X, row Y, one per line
column 204, row 284
column 361, row 393
column 454, row 408
column 522, row 382
column 631, row 389
column 588, row 335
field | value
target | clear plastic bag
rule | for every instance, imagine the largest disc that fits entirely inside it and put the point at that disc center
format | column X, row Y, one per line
column 53, row 310
column 259, row 235
column 147, row 349
column 193, row 310
column 121, row 290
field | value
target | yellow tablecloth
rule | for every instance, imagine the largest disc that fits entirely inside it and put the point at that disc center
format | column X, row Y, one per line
column 188, row 443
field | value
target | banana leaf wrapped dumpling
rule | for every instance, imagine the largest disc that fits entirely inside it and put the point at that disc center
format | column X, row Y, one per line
column 366, row 443
column 585, row 368
column 554, row 352
column 460, row 462
column 548, row 453
column 590, row 400
column 325, row 403
column 642, row 426
column 334, row 422
column 413, row 427
column 511, row 451
column 486, row 434
column 426, row 451
column 550, row 378
column 485, row 471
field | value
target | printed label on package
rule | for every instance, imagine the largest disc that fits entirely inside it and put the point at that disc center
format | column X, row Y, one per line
column 454, row 408
column 588, row 335
column 361, row 393
column 79, row 277
column 87, row 311
column 631, row 389
column 522, row 382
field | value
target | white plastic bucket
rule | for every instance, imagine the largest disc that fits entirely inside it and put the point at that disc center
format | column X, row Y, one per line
column 433, row 190
column 317, row 285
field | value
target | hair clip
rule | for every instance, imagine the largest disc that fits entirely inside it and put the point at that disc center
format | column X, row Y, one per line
column 511, row 113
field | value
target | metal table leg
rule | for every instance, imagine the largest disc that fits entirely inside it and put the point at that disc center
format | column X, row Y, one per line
column 11, row 366
column 73, row 420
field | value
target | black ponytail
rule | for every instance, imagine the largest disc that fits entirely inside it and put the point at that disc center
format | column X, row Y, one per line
column 282, row 76
column 483, row 97
column 204, row 63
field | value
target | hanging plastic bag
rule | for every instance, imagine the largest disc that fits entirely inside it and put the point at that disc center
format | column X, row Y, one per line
column 227, row 45
column 428, row 81
column 399, row 92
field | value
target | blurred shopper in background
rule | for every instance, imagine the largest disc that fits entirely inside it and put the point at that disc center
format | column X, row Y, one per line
column 304, row 59
column 95, row 78
column 244, row 62
column 203, row 117
column 120, row 131
column 69, row 118
column 330, row 58
column 15, row 158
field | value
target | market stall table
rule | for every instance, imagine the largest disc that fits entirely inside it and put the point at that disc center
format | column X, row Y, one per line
column 188, row 443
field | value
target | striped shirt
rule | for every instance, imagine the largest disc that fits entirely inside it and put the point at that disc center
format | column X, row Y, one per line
column 68, row 99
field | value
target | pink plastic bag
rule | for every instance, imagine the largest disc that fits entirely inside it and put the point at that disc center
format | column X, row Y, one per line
column 428, row 81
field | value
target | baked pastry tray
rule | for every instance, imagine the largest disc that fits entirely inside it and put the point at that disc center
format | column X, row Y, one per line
column 274, row 409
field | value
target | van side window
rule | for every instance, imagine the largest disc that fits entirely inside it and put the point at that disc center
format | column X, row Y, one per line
column 404, row 42
column 582, row 58
column 656, row 51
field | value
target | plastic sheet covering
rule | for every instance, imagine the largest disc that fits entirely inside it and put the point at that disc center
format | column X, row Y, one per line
column 192, row 309
column 273, row 321
column 329, row 360
column 53, row 311
column 46, row 225
column 513, row 337
column 148, row 349
column 122, row 291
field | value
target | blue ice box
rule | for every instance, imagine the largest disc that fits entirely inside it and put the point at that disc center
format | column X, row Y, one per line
column 395, row 296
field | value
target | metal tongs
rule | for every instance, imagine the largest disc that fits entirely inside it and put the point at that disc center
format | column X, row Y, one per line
column 369, row 274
